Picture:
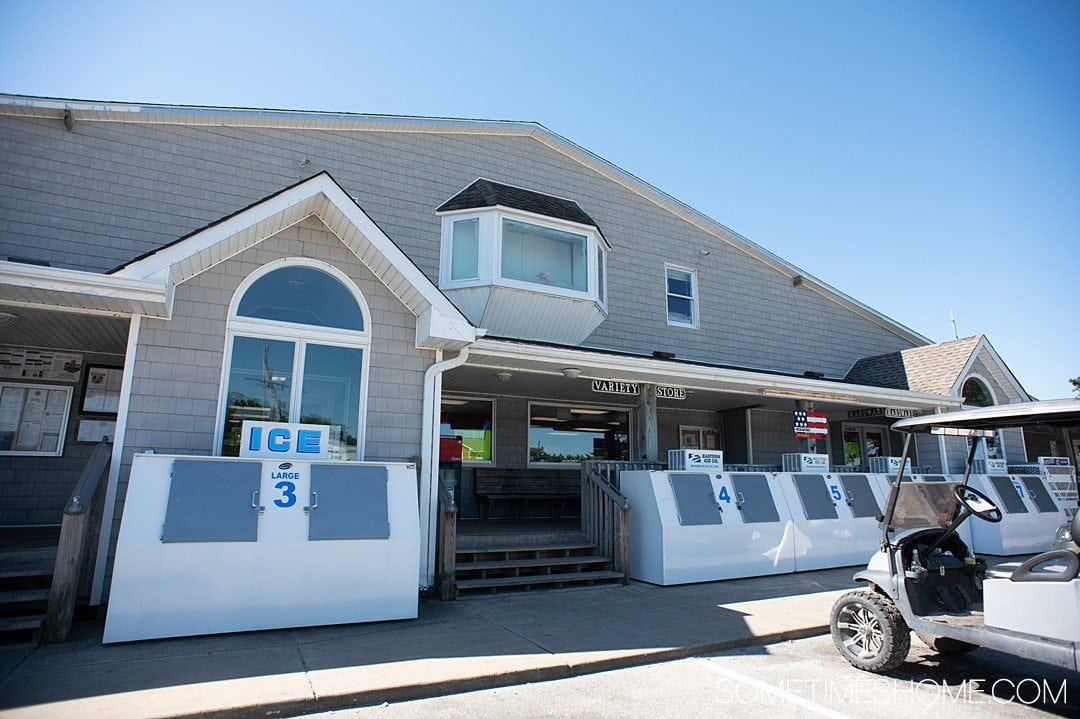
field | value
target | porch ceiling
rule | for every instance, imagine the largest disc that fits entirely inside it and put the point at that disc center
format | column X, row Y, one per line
column 537, row 372
column 53, row 329
column 480, row 379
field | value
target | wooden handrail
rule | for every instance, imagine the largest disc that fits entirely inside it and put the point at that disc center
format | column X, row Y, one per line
column 446, row 547
column 70, row 552
column 605, row 512
column 616, row 496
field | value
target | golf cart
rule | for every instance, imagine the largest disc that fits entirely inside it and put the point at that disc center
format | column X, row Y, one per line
column 927, row 580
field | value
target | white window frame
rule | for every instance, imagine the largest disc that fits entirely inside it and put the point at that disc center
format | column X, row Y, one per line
column 494, row 448
column 300, row 335
column 983, row 452
column 489, row 252
column 695, row 313
column 449, row 254
column 575, row 405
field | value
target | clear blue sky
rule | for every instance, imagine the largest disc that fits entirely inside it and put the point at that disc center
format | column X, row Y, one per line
column 919, row 156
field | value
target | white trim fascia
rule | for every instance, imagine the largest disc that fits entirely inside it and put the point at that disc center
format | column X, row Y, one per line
column 53, row 108
column 751, row 382
column 79, row 282
column 984, row 344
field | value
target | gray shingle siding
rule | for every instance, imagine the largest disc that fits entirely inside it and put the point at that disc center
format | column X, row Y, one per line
column 178, row 362
column 104, row 193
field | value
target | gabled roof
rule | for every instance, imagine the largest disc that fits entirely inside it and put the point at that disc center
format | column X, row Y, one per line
column 83, row 110
column 934, row 369
column 486, row 193
column 440, row 325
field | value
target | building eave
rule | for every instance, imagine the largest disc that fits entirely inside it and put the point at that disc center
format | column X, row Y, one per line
column 79, row 291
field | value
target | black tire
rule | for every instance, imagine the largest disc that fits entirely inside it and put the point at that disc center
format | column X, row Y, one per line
column 869, row 631
column 948, row 645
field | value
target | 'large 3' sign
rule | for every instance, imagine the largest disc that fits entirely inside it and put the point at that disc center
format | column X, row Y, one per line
column 278, row 440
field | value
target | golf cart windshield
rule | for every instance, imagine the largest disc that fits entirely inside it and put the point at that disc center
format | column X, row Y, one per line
column 934, row 504
column 924, row 504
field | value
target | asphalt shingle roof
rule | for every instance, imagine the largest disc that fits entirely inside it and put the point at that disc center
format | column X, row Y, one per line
column 931, row 368
column 485, row 193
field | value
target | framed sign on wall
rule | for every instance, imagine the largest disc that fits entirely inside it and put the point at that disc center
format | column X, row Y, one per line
column 101, row 390
column 33, row 418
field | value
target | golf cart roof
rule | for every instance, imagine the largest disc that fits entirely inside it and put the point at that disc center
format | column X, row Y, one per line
column 1054, row 412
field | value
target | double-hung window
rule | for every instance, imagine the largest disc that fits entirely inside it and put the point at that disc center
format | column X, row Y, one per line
column 682, row 305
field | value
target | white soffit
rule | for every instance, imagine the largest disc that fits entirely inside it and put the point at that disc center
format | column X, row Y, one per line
column 534, row 357
column 58, row 288
column 319, row 196
column 83, row 110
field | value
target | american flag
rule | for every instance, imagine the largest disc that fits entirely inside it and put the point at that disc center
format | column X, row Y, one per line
column 811, row 425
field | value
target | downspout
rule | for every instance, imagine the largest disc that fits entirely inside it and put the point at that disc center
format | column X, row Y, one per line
column 429, row 458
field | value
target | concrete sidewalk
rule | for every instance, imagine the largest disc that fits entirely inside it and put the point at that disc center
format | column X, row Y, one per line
column 452, row 647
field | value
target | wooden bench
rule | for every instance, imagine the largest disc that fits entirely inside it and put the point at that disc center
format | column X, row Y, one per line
column 524, row 485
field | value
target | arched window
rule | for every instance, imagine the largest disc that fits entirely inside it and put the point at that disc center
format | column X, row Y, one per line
column 977, row 393
column 296, row 351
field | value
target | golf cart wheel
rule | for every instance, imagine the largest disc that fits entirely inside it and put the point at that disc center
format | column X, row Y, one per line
column 869, row 632
column 947, row 645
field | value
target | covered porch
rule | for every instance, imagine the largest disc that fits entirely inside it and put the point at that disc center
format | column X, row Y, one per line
column 540, row 428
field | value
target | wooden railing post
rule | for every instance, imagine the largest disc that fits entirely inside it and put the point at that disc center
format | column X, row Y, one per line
column 446, row 550
column 69, row 554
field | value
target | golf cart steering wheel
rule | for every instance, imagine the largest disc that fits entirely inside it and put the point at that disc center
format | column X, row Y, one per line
column 978, row 503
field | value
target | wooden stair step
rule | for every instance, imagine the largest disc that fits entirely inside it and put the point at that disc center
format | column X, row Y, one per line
column 530, row 548
column 538, row 579
column 528, row 563
column 14, row 596
column 14, row 624
column 27, row 563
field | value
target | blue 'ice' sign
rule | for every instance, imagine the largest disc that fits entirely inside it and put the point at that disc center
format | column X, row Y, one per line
column 280, row 440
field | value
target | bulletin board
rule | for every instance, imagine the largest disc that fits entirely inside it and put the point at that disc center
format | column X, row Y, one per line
column 33, row 418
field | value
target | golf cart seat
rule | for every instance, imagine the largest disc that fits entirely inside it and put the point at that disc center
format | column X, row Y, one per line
column 1059, row 565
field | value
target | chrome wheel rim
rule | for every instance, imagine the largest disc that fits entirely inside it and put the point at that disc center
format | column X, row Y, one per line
column 860, row 631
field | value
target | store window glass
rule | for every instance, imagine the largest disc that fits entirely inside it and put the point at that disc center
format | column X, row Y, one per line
column 471, row 421
column 296, row 354
column 568, row 435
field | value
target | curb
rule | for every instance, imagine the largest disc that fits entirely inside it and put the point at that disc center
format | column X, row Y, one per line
column 372, row 697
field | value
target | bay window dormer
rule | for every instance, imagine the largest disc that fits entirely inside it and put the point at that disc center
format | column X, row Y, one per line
column 523, row 264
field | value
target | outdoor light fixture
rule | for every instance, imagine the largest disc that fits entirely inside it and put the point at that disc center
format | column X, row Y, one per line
column 503, row 376
column 576, row 410
column 807, row 395
column 7, row 319
column 703, row 253
column 303, row 164
column 571, row 372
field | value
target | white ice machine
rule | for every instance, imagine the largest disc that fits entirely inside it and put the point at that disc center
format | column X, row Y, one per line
column 224, row 544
